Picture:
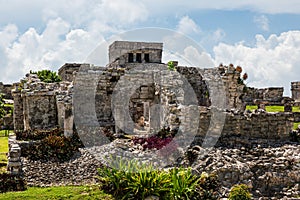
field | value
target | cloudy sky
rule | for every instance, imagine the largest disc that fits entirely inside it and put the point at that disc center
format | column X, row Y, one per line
column 262, row 36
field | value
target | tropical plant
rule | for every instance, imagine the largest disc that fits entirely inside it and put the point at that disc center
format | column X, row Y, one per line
column 133, row 180
column 147, row 182
column 239, row 192
column 183, row 183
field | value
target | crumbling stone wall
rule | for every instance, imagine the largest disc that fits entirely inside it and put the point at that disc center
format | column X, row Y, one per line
column 273, row 95
column 36, row 103
column 247, row 129
column 67, row 71
column 5, row 89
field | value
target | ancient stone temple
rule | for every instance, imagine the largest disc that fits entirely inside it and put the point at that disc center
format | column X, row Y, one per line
column 154, row 96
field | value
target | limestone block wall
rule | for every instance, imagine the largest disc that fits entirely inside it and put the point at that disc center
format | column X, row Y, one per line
column 249, row 128
column 234, row 89
column 40, row 111
column 66, row 72
column 41, row 105
column 195, row 79
column 273, row 95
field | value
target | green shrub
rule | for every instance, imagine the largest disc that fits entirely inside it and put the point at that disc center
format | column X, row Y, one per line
column 183, row 183
column 132, row 180
column 50, row 145
column 146, row 182
column 171, row 66
column 48, row 76
column 239, row 192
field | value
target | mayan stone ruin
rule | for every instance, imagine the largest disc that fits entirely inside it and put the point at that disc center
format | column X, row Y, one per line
column 136, row 94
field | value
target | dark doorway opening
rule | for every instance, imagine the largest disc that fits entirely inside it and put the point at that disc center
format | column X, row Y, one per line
column 130, row 57
column 139, row 57
column 147, row 58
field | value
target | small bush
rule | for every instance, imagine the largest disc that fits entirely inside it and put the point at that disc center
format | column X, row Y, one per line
column 11, row 182
column 171, row 66
column 239, row 192
column 48, row 76
column 50, row 145
column 131, row 180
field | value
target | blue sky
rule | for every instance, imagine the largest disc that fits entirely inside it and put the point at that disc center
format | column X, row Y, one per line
column 263, row 36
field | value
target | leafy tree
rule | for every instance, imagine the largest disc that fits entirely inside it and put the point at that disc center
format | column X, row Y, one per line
column 48, row 76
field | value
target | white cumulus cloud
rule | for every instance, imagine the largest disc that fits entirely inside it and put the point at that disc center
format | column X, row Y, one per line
column 187, row 26
column 57, row 44
column 274, row 61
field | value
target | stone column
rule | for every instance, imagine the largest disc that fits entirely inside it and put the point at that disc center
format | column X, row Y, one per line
column 14, row 165
column 18, row 116
column 68, row 120
column 60, row 111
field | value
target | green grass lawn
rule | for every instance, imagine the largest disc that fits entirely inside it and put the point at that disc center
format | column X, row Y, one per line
column 273, row 108
column 3, row 151
column 4, row 144
column 65, row 192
